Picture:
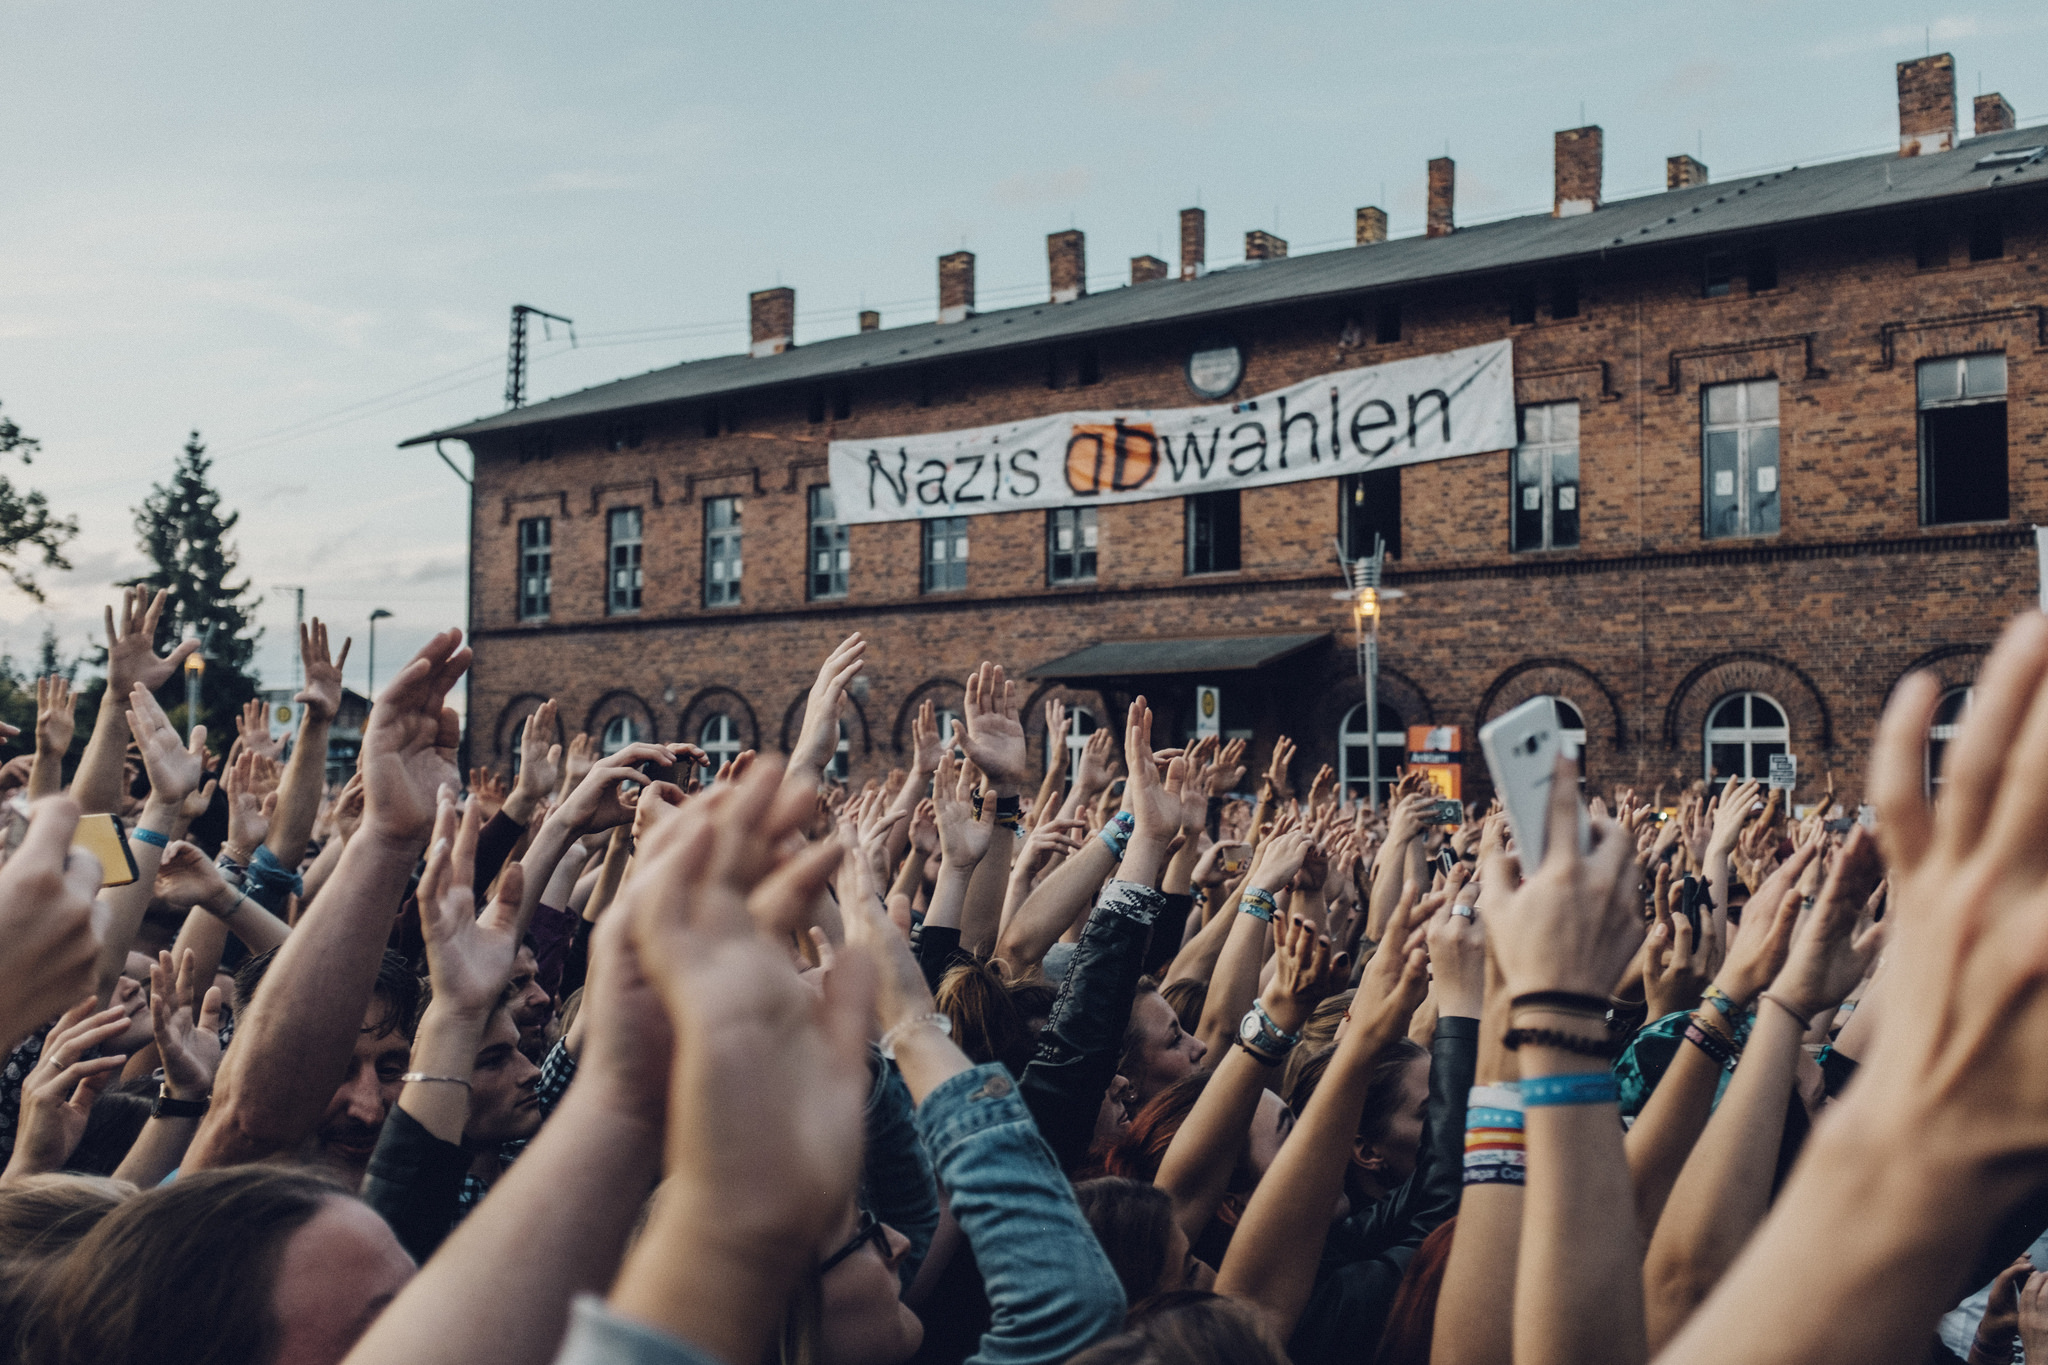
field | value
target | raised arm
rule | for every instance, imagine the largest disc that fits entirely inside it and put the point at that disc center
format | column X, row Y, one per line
column 50, row 929
column 292, row 1045
column 305, row 772
column 131, row 659
column 1235, row 983
column 56, row 722
column 818, row 741
column 176, row 772
column 993, row 739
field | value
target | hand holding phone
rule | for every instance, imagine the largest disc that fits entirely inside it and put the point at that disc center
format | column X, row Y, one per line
column 1522, row 749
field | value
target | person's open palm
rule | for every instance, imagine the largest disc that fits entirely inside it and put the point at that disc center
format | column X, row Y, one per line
column 409, row 744
column 56, row 713
column 187, row 1039
column 469, row 956
column 322, row 692
column 175, row 770
column 993, row 736
column 131, row 650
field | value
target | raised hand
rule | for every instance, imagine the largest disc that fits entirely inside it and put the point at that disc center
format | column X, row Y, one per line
column 818, row 741
column 595, row 804
column 252, row 727
column 577, row 761
column 1058, row 725
column 1213, row 867
column 1759, row 949
column 56, row 714
column 1305, row 973
column 185, row 877
column 1051, row 839
column 1097, row 754
column 487, row 790
column 1731, row 813
column 963, row 839
column 348, row 808
column 1833, row 946
column 175, row 770
column 540, row 763
column 322, row 692
column 1276, row 769
column 187, row 1041
column 1155, row 799
column 1457, row 952
column 58, row 1094
column 924, row 828
column 1677, row 964
column 131, row 650
column 924, row 740
column 991, row 734
column 1227, row 770
column 409, row 744
column 469, row 956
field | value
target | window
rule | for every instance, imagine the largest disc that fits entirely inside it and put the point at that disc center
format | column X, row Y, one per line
column 1948, row 722
column 1387, row 327
column 1962, row 439
column 1546, row 491
column 536, row 568
column 619, row 731
column 623, row 596
column 1930, row 245
column 722, row 552
column 949, row 725
column 945, row 554
column 1087, row 368
column 1522, row 306
column 1571, row 725
column 1743, row 731
column 1564, row 296
column 1070, row 545
column 1082, row 724
column 1719, row 275
column 1369, row 506
column 842, row 403
column 1987, row 237
column 830, row 559
column 814, row 407
column 1212, row 532
column 1740, row 464
column 714, row 419
column 1354, row 750
column 1763, row 268
column 719, row 738
column 841, row 755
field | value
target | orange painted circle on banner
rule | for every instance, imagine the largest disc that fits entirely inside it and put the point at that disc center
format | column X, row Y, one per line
column 1111, row 459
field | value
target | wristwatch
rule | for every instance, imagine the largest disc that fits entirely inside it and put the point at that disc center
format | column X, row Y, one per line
column 165, row 1107
column 1264, row 1039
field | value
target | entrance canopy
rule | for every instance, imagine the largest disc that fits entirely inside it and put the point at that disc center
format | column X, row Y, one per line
column 1204, row 654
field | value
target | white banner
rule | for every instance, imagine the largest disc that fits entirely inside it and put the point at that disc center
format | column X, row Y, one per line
column 1434, row 407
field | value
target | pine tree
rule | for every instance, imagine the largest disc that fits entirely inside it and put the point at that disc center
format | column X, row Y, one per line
column 185, row 535
column 25, row 521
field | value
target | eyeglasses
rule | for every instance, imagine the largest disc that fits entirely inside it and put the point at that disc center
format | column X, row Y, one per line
column 871, row 1229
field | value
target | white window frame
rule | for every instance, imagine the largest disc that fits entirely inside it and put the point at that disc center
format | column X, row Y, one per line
column 1941, row 732
column 724, row 566
column 1747, row 735
column 1746, row 427
column 830, row 559
column 619, row 731
column 1550, row 434
column 719, row 738
column 623, row 579
column 1396, row 738
column 536, row 568
column 1975, row 379
column 944, row 546
column 1079, row 524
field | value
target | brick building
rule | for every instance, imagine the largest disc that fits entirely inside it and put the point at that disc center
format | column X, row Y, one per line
column 1781, row 440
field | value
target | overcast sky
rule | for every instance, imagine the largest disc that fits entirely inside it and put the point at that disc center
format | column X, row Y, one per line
column 298, row 228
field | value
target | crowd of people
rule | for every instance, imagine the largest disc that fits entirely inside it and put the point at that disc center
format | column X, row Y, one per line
column 616, row 1058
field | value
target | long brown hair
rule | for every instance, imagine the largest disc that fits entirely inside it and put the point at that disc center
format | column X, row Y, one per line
column 1188, row 1327
column 42, row 1217
column 1411, row 1321
column 1133, row 1221
column 184, row 1274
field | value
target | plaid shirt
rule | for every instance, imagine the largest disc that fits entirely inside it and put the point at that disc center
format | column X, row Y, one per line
column 557, row 1069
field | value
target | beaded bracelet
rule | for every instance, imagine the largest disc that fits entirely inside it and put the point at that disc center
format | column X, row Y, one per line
column 1570, row 1088
column 1604, row 1048
column 1258, row 903
column 150, row 837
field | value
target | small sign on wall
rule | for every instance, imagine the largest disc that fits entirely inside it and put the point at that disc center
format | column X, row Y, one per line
column 1208, row 710
column 1784, row 772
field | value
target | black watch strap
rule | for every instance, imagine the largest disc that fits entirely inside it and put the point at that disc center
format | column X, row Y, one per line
column 167, row 1108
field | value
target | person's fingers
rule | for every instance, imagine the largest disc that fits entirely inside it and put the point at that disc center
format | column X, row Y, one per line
column 81, row 1082
column 462, row 856
column 52, row 821
column 784, row 897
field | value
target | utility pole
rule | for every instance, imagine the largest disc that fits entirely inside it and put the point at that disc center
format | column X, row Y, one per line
column 515, row 358
column 298, row 624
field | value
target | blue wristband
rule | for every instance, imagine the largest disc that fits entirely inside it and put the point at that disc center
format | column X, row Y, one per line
column 1258, row 903
column 1116, row 835
column 149, row 836
column 1570, row 1088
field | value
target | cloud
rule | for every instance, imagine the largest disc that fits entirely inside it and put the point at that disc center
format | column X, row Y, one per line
column 580, row 181
column 1896, row 37
column 1033, row 189
column 1064, row 18
column 1130, row 83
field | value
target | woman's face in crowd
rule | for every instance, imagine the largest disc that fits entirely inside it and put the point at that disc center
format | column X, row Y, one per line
column 336, row 1275
column 1402, row 1140
column 1114, row 1117
column 1167, row 1052
column 866, row 1320
column 1270, row 1126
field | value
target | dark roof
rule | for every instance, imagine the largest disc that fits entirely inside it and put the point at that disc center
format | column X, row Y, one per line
column 1837, row 189
column 1215, row 654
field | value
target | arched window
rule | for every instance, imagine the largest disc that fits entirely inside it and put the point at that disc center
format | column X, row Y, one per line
column 1354, row 761
column 1571, row 725
column 949, row 721
column 1743, row 730
column 719, row 738
column 1948, row 720
column 1082, row 723
column 841, row 755
column 619, row 731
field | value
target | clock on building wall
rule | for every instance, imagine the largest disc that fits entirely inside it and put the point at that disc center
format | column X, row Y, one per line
column 1214, row 367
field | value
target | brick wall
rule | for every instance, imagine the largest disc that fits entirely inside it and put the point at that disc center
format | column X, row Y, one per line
column 1642, row 627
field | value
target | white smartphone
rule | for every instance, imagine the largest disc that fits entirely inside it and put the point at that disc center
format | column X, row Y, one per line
column 1522, row 749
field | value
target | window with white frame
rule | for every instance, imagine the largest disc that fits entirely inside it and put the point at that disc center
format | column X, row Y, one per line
column 1963, row 474
column 619, row 731
column 830, row 558
column 719, row 738
column 1354, row 751
column 1546, row 491
column 842, row 755
column 1081, row 723
column 945, row 554
column 623, row 594
column 1070, row 545
column 1743, row 730
column 536, row 568
column 722, row 552
column 1739, row 458
column 949, row 727
column 1948, row 723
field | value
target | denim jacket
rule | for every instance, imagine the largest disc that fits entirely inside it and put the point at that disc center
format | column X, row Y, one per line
column 598, row 1336
column 896, row 1180
column 1049, row 1284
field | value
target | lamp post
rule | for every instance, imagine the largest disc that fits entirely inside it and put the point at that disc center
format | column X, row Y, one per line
column 378, row 615
column 1367, row 598
column 195, row 667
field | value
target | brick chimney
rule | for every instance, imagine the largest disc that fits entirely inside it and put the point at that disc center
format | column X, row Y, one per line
column 1372, row 225
column 1994, row 115
column 1577, row 166
column 1443, row 184
column 773, row 314
column 870, row 320
column 1927, row 105
column 1067, row 254
column 1145, row 269
column 1260, row 245
column 1194, row 238
column 956, row 286
column 1682, row 172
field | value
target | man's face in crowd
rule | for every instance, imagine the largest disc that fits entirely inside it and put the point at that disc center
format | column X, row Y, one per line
column 355, row 1116
column 532, row 1007
column 503, row 1103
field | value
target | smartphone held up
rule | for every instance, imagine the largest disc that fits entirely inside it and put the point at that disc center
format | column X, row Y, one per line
column 1522, row 749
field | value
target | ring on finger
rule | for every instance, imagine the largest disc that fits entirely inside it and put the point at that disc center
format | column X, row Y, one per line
column 1464, row 911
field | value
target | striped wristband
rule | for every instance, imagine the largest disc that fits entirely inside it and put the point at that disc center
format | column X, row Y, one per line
column 1494, row 1148
column 1116, row 835
column 1258, row 903
column 1570, row 1088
